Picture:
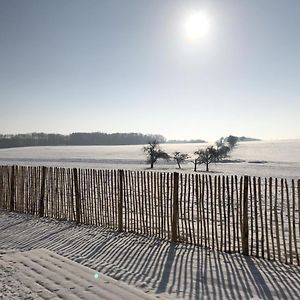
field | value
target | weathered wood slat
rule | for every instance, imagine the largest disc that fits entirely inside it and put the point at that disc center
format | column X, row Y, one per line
column 282, row 220
column 220, row 212
column 261, row 218
column 207, row 211
column 289, row 222
column 215, row 212
column 175, row 207
column 198, row 210
column 245, row 230
column 232, row 212
column 266, row 219
column 276, row 221
column 188, row 202
column 212, row 217
column 228, row 214
column 251, row 215
column 224, row 214
column 256, row 218
column 271, row 215
column 294, row 222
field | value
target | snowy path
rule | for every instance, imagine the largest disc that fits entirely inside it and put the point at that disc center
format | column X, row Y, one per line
column 50, row 276
column 159, row 268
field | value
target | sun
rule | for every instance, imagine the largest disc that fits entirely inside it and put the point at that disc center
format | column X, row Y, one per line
column 197, row 25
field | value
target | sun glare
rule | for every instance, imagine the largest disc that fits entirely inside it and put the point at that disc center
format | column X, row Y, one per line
column 197, row 25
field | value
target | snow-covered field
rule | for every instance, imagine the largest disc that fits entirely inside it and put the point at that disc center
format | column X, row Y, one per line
column 263, row 158
column 156, row 267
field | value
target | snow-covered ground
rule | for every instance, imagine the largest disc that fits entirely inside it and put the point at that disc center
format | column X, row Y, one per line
column 43, row 274
column 263, row 158
column 155, row 267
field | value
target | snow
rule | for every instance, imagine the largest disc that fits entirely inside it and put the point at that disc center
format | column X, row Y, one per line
column 60, row 260
column 47, row 275
column 262, row 158
column 10, row 286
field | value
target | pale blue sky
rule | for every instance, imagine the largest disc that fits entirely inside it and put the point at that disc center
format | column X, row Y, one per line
column 128, row 66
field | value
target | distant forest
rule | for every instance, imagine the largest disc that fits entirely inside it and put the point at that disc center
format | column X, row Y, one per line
column 77, row 138
column 92, row 138
column 186, row 141
column 247, row 139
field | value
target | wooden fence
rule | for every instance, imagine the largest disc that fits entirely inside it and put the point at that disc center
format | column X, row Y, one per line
column 253, row 216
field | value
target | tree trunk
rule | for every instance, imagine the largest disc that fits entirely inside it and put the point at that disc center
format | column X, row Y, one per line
column 206, row 167
column 178, row 165
column 195, row 166
column 152, row 164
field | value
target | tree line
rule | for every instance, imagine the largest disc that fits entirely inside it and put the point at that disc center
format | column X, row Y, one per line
column 77, row 138
column 206, row 156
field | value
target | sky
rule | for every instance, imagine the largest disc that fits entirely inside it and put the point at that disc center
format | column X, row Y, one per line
column 129, row 66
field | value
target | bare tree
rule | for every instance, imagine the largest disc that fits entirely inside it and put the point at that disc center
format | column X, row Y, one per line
column 195, row 163
column 207, row 156
column 196, row 160
column 180, row 157
column 154, row 153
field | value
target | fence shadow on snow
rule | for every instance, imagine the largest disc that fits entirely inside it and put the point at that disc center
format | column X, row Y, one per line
column 254, row 216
